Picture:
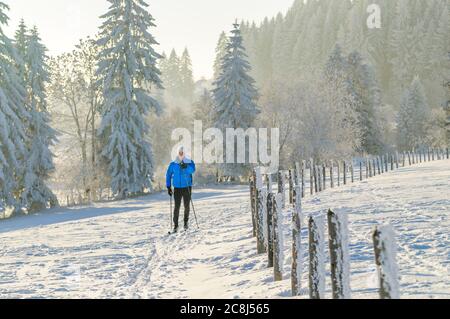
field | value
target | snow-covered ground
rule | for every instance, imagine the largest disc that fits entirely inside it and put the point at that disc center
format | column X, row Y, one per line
column 122, row 250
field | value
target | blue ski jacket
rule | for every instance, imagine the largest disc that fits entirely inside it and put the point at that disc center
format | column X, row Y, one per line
column 178, row 177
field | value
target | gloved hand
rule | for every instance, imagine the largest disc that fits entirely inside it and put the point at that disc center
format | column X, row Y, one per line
column 169, row 191
column 183, row 165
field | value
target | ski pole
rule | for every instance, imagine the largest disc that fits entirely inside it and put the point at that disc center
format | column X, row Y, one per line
column 171, row 216
column 192, row 201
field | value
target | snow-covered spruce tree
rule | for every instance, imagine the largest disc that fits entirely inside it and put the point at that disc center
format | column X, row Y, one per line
column 127, row 62
column 235, row 95
column 221, row 50
column 35, row 195
column 187, row 77
column 413, row 117
column 13, row 115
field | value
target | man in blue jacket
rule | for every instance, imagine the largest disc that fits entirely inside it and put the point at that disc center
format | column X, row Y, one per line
column 179, row 175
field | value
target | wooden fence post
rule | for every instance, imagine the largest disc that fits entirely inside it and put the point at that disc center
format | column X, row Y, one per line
column 448, row 153
column 303, row 178
column 378, row 165
column 281, row 187
column 261, row 225
column 382, row 164
column 324, row 175
column 319, row 177
column 339, row 257
column 297, row 260
column 392, row 162
column 339, row 173
column 311, row 176
column 370, row 168
column 253, row 203
column 331, row 174
column 345, row 172
column 278, row 258
column 396, row 160
column 291, row 187
column 360, row 171
column 270, row 200
column 385, row 258
column 367, row 168
column 316, row 179
column 316, row 258
column 352, row 171
column 387, row 163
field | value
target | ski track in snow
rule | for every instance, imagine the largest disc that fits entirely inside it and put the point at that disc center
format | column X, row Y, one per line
column 122, row 250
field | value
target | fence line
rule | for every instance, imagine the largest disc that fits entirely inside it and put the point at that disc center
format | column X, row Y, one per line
column 267, row 211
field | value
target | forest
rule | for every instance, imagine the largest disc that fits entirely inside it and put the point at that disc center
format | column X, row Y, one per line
column 95, row 123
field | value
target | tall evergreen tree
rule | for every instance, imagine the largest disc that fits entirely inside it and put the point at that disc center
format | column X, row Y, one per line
column 13, row 115
column 35, row 195
column 187, row 77
column 413, row 117
column 221, row 50
column 234, row 94
column 172, row 77
column 128, row 61
column 365, row 92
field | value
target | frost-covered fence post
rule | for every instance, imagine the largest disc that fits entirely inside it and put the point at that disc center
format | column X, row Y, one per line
column 270, row 200
column 278, row 245
column 374, row 166
column 379, row 165
column 370, row 168
column 409, row 159
column 319, row 177
column 345, row 172
column 386, row 163
column 448, row 153
column 303, row 178
column 352, row 171
column 297, row 261
column 291, row 186
column 261, row 228
column 324, row 175
column 339, row 173
column 281, row 187
column 367, row 168
column 360, row 171
column 316, row 179
column 316, row 257
column 385, row 258
column 382, row 164
column 396, row 160
column 392, row 162
column 339, row 256
column 331, row 174
column 253, row 203
column 311, row 176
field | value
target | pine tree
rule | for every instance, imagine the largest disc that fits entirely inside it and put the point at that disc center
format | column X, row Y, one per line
column 187, row 77
column 13, row 115
column 221, row 51
column 234, row 94
column 34, row 193
column 413, row 117
column 363, row 87
column 127, row 62
column 203, row 108
column 172, row 77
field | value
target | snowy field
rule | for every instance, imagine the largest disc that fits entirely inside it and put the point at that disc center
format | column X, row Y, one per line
column 121, row 249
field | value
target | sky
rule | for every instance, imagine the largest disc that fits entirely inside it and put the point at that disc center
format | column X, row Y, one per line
column 195, row 24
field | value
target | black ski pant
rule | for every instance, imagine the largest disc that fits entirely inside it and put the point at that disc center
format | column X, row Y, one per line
column 182, row 194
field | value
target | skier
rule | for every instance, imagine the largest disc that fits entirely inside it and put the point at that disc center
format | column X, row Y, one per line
column 179, row 175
